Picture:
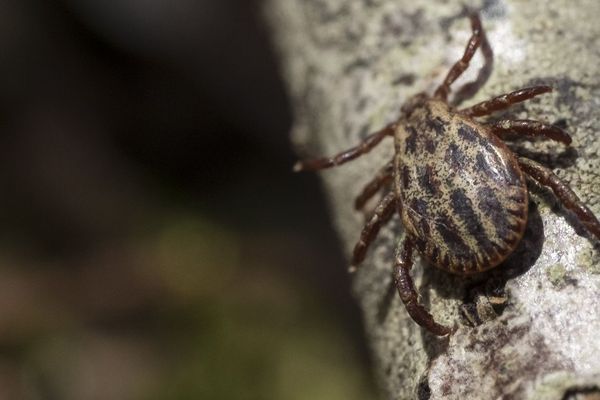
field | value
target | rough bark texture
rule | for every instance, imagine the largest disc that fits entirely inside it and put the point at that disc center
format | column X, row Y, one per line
column 349, row 65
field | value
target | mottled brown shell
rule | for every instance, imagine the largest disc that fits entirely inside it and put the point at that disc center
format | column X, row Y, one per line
column 463, row 197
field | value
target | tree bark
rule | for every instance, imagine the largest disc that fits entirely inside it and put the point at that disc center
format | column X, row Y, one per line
column 529, row 329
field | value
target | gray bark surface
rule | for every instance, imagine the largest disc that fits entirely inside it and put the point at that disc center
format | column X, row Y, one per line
column 349, row 66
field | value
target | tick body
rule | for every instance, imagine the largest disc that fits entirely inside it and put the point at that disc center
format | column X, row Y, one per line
column 462, row 196
column 460, row 192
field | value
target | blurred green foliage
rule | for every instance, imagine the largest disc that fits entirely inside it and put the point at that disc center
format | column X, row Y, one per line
column 258, row 336
column 214, row 323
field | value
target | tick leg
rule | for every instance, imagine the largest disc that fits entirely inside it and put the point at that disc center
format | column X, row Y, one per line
column 382, row 214
column 561, row 190
column 461, row 65
column 408, row 294
column 364, row 147
column 383, row 178
column 468, row 90
column 504, row 101
column 530, row 128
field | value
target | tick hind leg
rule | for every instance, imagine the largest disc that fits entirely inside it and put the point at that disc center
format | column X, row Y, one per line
column 382, row 214
column 364, row 147
column 565, row 195
column 382, row 179
column 461, row 65
column 408, row 294
column 530, row 128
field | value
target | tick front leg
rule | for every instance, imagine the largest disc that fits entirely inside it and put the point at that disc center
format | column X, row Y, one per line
column 468, row 90
column 461, row 65
column 383, row 178
column 567, row 197
column 382, row 214
column 530, row 128
column 504, row 101
column 408, row 294
column 364, row 147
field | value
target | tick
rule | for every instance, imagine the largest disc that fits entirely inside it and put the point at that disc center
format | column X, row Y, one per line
column 460, row 192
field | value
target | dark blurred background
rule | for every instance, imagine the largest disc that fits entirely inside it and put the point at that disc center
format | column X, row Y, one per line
column 154, row 242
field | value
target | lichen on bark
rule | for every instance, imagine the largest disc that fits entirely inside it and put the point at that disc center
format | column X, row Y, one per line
column 349, row 65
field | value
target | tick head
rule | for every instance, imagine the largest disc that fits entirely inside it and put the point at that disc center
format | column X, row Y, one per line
column 413, row 103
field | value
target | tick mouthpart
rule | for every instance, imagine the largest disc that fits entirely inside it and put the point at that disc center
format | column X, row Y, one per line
column 352, row 269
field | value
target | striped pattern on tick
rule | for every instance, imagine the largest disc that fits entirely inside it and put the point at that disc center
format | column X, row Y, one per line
column 463, row 197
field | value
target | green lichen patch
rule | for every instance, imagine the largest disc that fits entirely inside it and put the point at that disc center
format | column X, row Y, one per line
column 556, row 274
